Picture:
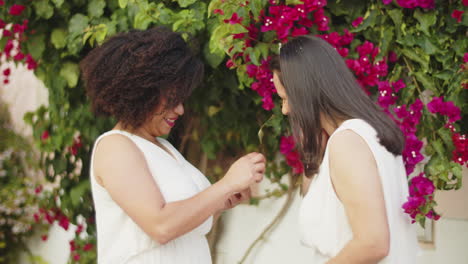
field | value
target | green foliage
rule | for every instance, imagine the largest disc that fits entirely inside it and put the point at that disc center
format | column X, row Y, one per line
column 18, row 199
column 225, row 118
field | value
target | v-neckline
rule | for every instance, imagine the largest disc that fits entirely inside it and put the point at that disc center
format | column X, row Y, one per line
column 162, row 147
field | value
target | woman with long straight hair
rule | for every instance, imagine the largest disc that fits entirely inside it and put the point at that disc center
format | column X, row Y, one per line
column 355, row 180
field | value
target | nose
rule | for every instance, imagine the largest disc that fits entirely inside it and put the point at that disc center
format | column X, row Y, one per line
column 179, row 109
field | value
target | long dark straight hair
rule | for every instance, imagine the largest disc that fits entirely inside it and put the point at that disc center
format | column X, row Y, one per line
column 318, row 83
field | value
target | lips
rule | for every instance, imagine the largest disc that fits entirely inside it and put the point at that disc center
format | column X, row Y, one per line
column 170, row 121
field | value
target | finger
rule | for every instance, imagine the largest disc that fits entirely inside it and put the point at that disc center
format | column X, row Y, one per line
column 246, row 194
column 258, row 158
column 259, row 168
column 229, row 203
column 258, row 177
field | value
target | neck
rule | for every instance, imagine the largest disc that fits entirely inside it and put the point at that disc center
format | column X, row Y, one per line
column 330, row 125
column 141, row 132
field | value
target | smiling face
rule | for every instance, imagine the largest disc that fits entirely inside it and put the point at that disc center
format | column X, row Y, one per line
column 281, row 93
column 162, row 121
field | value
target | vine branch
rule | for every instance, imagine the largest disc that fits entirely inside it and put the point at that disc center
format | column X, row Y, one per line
column 278, row 217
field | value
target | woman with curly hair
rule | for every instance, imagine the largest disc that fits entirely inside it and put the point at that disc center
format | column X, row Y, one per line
column 152, row 206
column 355, row 180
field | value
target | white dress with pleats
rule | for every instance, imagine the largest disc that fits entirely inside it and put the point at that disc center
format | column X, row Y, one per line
column 323, row 223
column 121, row 240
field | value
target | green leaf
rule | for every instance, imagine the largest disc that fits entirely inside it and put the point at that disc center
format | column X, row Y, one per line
column 446, row 136
column 439, row 147
column 36, row 45
column 426, row 20
column 386, row 39
column 214, row 59
column 77, row 192
column 101, row 33
column 290, row 2
column 214, row 4
column 43, row 8
column 444, row 75
column 59, row 38
column 426, row 81
column 142, row 20
column 256, row 6
column 428, row 46
column 123, row 3
column 96, row 8
column 78, row 24
column 58, row 3
column 70, row 72
column 369, row 21
column 185, row 3
column 418, row 57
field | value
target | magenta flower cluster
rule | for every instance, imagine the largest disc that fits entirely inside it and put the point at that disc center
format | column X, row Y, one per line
column 428, row 4
column 421, row 192
column 295, row 20
column 263, row 85
column 287, row 148
column 371, row 74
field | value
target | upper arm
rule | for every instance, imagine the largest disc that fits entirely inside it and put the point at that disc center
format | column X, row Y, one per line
column 125, row 175
column 357, row 183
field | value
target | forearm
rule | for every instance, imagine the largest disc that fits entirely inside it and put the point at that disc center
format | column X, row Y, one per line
column 178, row 218
column 359, row 252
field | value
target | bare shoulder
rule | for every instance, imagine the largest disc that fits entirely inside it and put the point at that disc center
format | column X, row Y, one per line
column 114, row 142
column 116, row 152
column 349, row 153
column 347, row 144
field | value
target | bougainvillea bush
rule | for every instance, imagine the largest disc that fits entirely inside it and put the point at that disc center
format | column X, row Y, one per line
column 408, row 55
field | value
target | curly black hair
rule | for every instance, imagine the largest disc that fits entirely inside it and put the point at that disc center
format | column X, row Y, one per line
column 129, row 75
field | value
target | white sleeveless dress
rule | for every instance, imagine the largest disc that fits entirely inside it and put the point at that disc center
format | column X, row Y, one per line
column 323, row 222
column 121, row 240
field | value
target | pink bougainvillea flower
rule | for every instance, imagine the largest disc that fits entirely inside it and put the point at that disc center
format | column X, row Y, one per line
column 465, row 2
column 465, row 58
column 16, row 10
column 433, row 215
column 429, row 4
column 398, row 85
column 452, row 111
column 87, row 247
column 420, row 186
column 436, row 105
column 457, row 14
column 218, row 11
column 411, row 153
column 235, row 19
column 299, row 32
column 44, row 237
column 386, row 2
column 230, row 63
column 31, row 63
column 392, row 56
column 19, row 56
column 7, row 72
column 357, row 21
column 6, row 33
column 286, row 144
column 45, row 135
column 2, row 2
column 2, row 24
column 343, row 52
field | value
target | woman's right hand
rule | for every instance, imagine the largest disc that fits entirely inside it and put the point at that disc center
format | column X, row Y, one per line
column 245, row 171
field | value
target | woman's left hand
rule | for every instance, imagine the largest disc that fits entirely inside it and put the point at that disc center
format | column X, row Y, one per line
column 237, row 198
